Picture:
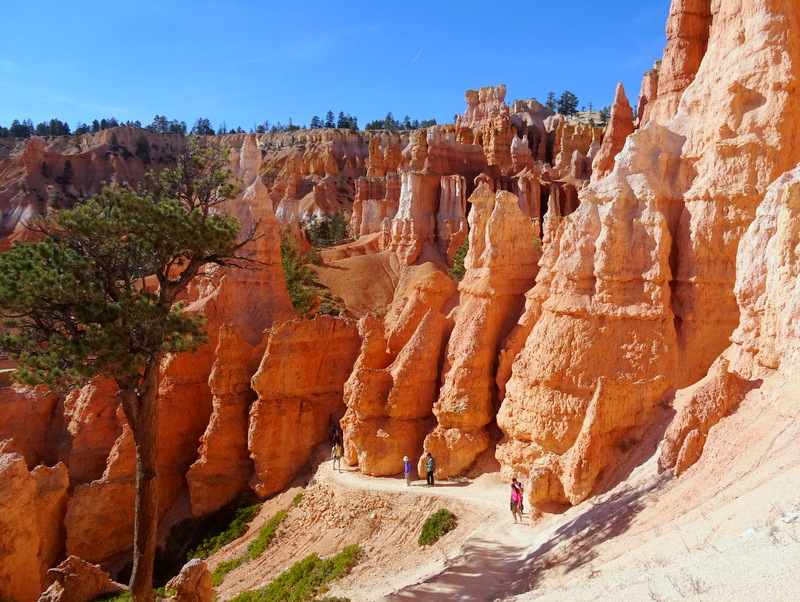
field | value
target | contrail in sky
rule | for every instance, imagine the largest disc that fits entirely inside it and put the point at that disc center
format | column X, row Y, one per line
column 420, row 52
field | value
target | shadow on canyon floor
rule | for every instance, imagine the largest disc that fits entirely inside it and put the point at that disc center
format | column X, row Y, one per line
column 490, row 570
column 580, row 537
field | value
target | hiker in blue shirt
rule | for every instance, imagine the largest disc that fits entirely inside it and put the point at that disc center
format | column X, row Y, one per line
column 429, row 465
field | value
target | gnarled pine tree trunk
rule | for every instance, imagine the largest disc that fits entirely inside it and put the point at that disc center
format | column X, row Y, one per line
column 143, row 419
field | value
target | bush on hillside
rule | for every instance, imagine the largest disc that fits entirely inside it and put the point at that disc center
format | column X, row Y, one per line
column 439, row 523
column 306, row 578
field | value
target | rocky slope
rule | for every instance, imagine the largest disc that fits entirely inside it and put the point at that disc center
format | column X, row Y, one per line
column 625, row 290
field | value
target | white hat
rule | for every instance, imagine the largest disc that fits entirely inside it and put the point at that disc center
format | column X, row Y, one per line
column 405, row 458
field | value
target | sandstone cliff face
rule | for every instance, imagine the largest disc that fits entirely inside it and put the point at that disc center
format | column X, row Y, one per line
column 392, row 388
column 500, row 268
column 764, row 344
column 32, row 506
column 248, row 302
column 299, row 386
column 682, row 198
column 26, row 418
column 598, row 295
column 687, row 39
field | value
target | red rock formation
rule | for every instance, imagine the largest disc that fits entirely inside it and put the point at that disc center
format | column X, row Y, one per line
column 483, row 105
column 224, row 468
column 75, row 580
column 677, row 192
column 32, row 506
column 448, row 155
column 99, row 519
column 739, row 132
column 376, row 199
column 500, row 268
column 92, row 426
column 647, row 94
column 556, row 414
column 528, row 118
column 618, row 130
column 247, row 303
column 451, row 219
column 764, row 344
column 376, row 166
column 193, row 584
column 572, row 138
column 687, row 39
column 413, row 226
column 26, row 417
column 389, row 397
column 299, row 385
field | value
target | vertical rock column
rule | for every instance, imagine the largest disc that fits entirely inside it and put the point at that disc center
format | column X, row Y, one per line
column 247, row 303
column 414, row 226
column 391, row 392
column 618, row 130
column 32, row 506
column 451, row 221
column 602, row 351
column 500, row 268
column 300, row 386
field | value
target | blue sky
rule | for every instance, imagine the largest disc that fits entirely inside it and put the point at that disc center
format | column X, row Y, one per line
column 244, row 61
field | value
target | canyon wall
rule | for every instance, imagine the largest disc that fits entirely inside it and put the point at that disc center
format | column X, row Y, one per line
column 647, row 265
column 606, row 273
column 245, row 411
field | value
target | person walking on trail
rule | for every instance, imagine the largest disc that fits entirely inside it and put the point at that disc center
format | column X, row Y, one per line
column 407, row 470
column 516, row 500
column 429, row 464
column 336, row 456
column 521, row 490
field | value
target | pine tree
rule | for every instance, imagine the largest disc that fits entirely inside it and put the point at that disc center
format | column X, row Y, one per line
column 79, row 303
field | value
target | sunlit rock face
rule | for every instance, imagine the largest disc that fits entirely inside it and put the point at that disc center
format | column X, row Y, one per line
column 392, row 388
column 618, row 130
column 637, row 295
column 500, row 268
column 764, row 345
column 32, row 506
column 300, row 387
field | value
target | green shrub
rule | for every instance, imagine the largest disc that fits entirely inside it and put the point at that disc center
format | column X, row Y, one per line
column 299, row 277
column 458, row 269
column 265, row 536
column 235, row 530
column 120, row 597
column 164, row 592
column 306, row 578
column 225, row 567
column 297, row 499
column 439, row 523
